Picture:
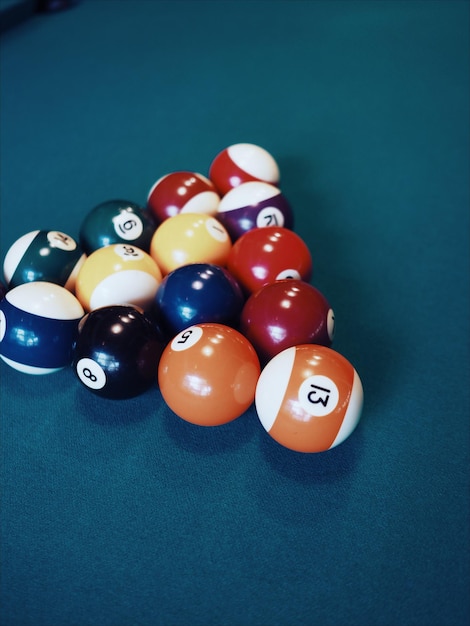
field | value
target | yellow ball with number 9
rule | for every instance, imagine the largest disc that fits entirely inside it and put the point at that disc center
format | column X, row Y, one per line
column 118, row 274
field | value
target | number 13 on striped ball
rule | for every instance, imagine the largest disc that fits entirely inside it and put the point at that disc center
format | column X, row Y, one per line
column 309, row 398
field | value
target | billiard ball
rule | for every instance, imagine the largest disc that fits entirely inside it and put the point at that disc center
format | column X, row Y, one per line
column 196, row 293
column 43, row 255
column 118, row 274
column 264, row 255
column 38, row 327
column 286, row 313
column 117, row 221
column 208, row 373
column 254, row 205
column 117, row 352
column 241, row 163
column 309, row 398
column 189, row 238
column 182, row 192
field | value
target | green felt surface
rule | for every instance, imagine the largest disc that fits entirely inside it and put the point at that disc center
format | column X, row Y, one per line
column 120, row 514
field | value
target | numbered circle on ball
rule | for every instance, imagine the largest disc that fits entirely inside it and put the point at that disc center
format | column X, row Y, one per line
column 216, row 230
column 128, row 226
column 60, row 240
column 128, row 253
column 91, row 373
column 289, row 273
column 330, row 324
column 186, row 338
column 269, row 216
column 318, row 395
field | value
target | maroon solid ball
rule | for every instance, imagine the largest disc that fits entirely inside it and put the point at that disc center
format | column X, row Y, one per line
column 264, row 255
column 284, row 314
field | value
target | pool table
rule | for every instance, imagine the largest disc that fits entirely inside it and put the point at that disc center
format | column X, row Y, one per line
column 119, row 513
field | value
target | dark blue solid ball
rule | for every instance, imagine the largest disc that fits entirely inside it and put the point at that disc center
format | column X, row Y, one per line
column 198, row 293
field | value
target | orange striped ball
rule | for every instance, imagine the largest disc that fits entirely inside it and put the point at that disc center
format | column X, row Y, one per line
column 309, row 398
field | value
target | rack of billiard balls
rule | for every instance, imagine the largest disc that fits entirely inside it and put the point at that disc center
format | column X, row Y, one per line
column 204, row 291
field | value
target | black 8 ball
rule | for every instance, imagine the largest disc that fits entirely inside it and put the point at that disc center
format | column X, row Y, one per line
column 117, row 352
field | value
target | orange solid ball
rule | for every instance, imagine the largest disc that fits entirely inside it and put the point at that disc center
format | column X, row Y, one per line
column 189, row 238
column 208, row 374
